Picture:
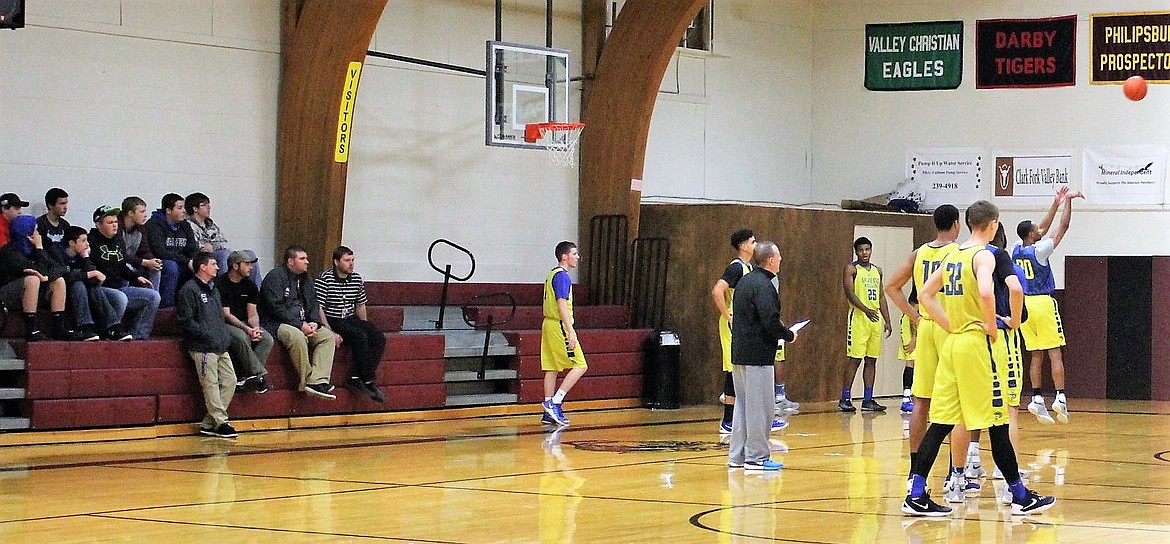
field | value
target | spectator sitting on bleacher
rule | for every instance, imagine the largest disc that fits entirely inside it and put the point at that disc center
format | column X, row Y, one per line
column 343, row 309
column 250, row 342
column 10, row 206
column 110, row 257
column 206, row 339
column 208, row 235
column 52, row 224
column 171, row 240
column 289, row 312
column 86, row 296
column 30, row 277
column 132, row 231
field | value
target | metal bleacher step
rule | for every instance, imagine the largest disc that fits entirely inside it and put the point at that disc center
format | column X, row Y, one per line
column 8, row 393
column 472, row 375
column 13, row 423
column 482, row 398
column 11, row 364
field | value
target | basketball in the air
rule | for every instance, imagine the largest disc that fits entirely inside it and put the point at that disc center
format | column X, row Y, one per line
column 1135, row 88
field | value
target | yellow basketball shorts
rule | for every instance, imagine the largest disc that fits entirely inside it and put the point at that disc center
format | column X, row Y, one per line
column 554, row 348
column 905, row 335
column 1008, row 355
column 780, row 353
column 1042, row 330
column 965, row 387
column 864, row 337
column 930, row 340
column 725, row 342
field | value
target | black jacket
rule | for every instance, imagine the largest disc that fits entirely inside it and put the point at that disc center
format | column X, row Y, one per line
column 13, row 263
column 201, row 319
column 757, row 328
column 281, row 302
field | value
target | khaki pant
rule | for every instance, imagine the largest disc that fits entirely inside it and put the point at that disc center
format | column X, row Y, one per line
column 218, row 381
column 311, row 370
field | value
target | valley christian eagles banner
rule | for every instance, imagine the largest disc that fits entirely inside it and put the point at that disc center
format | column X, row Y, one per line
column 1030, row 176
column 946, row 175
column 1132, row 174
column 914, row 56
column 1013, row 53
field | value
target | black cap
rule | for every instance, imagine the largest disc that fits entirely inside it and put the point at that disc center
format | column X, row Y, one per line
column 104, row 211
column 8, row 200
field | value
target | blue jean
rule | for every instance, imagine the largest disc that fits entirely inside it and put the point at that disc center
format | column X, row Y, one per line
column 107, row 304
column 168, row 284
column 142, row 303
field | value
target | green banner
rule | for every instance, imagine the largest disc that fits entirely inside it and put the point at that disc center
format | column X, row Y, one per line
column 914, row 56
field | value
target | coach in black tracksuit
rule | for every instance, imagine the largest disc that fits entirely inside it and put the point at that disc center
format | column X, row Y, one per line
column 206, row 339
column 757, row 330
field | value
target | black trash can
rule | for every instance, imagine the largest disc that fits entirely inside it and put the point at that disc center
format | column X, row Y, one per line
column 660, row 388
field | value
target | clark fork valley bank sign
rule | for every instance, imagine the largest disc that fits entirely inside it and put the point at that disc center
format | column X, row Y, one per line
column 914, row 56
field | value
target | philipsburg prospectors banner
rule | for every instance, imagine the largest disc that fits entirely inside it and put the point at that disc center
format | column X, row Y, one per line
column 1128, row 44
column 1014, row 53
column 914, row 56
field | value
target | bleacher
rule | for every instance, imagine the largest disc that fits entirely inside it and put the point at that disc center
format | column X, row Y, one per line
column 75, row 385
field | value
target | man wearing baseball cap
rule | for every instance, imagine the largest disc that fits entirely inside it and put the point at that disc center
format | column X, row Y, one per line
column 250, row 342
column 10, row 205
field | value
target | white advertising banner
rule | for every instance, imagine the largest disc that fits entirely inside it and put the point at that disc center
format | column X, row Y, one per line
column 946, row 175
column 1132, row 174
column 1030, row 176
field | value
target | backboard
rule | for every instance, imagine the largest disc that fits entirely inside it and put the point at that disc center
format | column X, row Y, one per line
column 525, row 84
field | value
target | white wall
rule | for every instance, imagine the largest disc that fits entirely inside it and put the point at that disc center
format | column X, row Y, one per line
column 736, row 124
column 861, row 137
column 419, row 169
column 108, row 98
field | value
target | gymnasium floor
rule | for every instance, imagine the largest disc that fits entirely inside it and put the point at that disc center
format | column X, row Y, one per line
column 627, row 475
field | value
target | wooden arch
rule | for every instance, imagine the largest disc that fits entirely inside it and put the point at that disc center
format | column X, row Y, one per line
column 620, row 102
column 318, row 40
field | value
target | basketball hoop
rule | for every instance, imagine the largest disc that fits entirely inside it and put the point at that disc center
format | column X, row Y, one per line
column 560, row 139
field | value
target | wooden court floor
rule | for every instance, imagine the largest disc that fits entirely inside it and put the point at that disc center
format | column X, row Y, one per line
column 627, row 475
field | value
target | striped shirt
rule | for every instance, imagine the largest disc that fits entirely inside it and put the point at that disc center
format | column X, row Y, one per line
column 339, row 297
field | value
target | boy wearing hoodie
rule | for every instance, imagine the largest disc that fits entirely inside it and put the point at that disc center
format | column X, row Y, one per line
column 171, row 240
column 29, row 277
column 110, row 257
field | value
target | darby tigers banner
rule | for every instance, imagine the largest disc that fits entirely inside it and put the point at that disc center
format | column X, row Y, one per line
column 1132, row 174
column 1013, row 53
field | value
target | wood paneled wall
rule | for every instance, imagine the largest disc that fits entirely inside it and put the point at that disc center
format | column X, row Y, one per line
column 815, row 245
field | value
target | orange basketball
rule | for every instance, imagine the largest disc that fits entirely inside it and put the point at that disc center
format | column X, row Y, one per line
column 1135, row 88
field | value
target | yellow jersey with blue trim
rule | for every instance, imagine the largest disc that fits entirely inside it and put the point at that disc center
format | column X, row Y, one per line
column 960, row 290
column 926, row 260
column 867, row 285
column 551, row 311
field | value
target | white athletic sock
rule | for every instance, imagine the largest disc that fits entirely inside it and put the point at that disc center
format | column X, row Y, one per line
column 973, row 453
column 905, row 395
column 559, row 397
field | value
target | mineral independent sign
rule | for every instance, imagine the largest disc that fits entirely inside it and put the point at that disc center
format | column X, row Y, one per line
column 914, row 56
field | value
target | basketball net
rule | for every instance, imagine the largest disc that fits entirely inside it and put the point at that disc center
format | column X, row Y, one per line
column 560, row 139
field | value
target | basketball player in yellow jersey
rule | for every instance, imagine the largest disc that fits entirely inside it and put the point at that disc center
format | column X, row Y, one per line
column 918, row 267
column 960, row 298
column 744, row 242
column 559, row 349
column 868, row 319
